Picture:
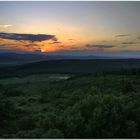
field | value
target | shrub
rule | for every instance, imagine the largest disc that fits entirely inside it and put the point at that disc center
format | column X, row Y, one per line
column 53, row 133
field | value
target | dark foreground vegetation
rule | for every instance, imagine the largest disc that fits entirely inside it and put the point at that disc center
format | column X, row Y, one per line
column 87, row 99
column 70, row 106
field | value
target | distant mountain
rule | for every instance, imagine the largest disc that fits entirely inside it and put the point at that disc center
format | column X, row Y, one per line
column 19, row 58
column 11, row 58
column 14, row 58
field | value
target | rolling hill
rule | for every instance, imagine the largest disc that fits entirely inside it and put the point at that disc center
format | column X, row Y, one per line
column 16, row 58
column 71, row 67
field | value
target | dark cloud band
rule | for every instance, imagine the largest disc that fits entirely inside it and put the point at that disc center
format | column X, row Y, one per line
column 55, row 42
column 129, row 43
column 122, row 35
column 27, row 37
column 99, row 46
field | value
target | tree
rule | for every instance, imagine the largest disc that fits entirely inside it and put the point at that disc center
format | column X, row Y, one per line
column 53, row 133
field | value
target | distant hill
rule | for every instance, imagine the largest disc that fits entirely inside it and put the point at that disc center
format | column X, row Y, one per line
column 19, row 58
column 13, row 58
column 71, row 66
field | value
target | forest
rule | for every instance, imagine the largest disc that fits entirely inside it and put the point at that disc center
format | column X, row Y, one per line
column 101, row 105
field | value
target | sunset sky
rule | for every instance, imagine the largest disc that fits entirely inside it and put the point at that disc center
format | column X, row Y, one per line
column 50, row 27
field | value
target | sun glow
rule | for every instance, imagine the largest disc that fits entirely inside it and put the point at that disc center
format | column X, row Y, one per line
column 48, row 48
column 42, row 50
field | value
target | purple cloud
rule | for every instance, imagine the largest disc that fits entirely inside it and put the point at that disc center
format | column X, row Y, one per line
column 27, row 37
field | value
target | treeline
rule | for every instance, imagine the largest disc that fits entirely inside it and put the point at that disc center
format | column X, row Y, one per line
column 11, row 72
column 95, row 66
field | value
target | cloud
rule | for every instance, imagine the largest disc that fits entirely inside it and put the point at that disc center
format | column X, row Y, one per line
column 122, row 35
column 124, row 46
column 129, row 43
column 30, row 45
column 103, row 41
column 139, row 37
column 54, row 39
column 71, row 39
column 55, row 42
column 2, row 45
column 5, row 25
column 27, row 37
column 37, row 50
column 99, row 46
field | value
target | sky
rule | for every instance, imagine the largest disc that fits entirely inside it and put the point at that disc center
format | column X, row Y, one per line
column 87, row 27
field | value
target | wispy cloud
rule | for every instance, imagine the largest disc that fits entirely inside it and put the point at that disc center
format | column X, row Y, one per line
column 71, row 39
column 30, row 45
column 129, row 43
column 5, row 25
column 55, row 42
column 99, row 46
column 27, row 37
column 122, row 35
